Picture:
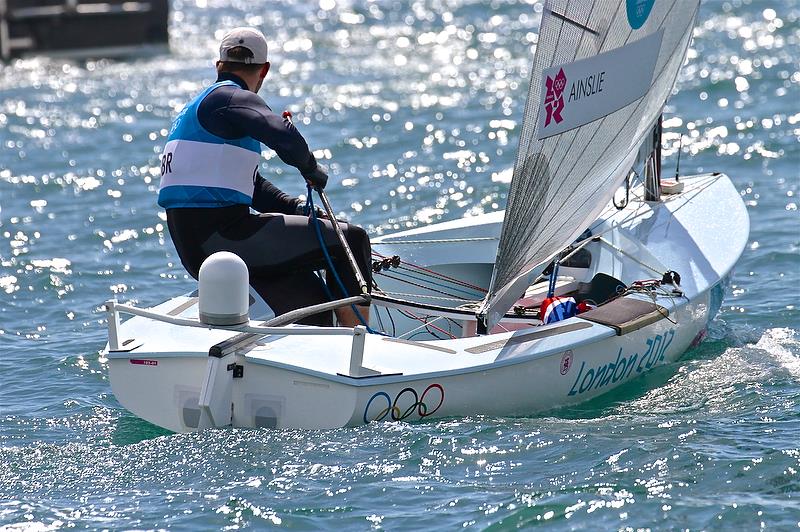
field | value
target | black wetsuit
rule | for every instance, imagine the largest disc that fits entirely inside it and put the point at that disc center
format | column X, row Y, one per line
column 280, row 246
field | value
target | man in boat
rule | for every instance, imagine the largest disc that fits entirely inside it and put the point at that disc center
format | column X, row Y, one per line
column 210, row 180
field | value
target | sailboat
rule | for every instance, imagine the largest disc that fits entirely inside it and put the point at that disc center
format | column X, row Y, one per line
column 569, row 293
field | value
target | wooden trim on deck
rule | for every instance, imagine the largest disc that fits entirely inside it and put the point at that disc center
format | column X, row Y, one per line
column 522, row 338
column 420, row 344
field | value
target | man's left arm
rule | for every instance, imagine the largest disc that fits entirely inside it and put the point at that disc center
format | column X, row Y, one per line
column 269, row 198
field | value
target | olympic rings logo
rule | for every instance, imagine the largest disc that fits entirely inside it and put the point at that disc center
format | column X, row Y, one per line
column 405, row 404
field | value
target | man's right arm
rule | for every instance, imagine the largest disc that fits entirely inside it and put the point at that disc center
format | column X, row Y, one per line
column 251, row 114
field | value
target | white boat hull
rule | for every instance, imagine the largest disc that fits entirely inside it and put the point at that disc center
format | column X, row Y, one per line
column 310, row 381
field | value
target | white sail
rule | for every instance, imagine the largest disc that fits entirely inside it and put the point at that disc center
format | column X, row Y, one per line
column 602, row 72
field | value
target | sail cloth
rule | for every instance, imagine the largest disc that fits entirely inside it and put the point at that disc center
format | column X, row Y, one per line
column 602, row 71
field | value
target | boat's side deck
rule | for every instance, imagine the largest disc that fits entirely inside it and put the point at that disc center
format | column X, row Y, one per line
column 330, row 357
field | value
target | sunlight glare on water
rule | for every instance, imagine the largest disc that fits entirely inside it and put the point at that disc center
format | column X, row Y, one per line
column 416, row 108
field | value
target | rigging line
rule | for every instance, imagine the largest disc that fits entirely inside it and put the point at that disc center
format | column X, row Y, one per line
column 576, row 249
column 389, row 315
column 422, row 280
column 458, row 283
column 641, row 211
column 573, row 22
column 654, row 295
column 423, row 296
column 501, row 326
column 579, row 246
column 655, row 292
column 690, row 193
column 380, row 321
column 423, row 287
column 425, row 324
column 443, row 276
column 415, row 318
column 436, row 241
column 391, row 319
column 697, row 192
column 452, row 280
column 691, row 188
column 329, row 260
column 434, row 272
column 454, row 322
column 426, row 331
column 407, row 276
column 634, row 259
column 638, row 200
column 638, row 213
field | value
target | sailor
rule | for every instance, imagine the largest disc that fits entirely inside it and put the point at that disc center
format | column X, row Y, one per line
column 210, row 181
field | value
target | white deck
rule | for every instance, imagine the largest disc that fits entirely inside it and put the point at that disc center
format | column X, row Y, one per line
column 330, row 357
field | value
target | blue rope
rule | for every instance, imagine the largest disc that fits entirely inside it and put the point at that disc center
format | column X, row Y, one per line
column 551, row 290
column 329, row 260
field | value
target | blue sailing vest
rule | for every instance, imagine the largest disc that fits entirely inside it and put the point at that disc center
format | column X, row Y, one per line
column 200, row 169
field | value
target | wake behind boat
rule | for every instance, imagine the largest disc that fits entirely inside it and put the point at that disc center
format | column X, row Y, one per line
column 478, row 315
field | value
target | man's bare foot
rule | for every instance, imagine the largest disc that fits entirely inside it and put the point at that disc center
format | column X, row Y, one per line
column 348, row 318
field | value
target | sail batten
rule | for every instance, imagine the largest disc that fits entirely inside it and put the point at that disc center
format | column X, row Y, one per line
column 578, row 142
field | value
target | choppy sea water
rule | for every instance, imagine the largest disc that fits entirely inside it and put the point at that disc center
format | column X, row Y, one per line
column 415, row 106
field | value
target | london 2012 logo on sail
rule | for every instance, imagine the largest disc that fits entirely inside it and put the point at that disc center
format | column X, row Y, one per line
column 554, row 100
column 587, row 89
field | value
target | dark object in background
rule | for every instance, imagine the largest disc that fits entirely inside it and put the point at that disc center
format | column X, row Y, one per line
column 96, row 28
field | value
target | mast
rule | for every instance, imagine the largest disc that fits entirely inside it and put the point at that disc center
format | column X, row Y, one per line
column 652, row 165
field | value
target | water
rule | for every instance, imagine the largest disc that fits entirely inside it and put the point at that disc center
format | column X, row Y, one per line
column 415, row 107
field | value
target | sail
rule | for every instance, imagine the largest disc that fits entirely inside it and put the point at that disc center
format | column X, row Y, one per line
column 602, row 71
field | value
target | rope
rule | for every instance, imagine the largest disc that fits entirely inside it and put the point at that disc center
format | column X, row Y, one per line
column 551, row 287
column 329, row 260
column 634, row 259
column 434, row 273
column 637, row 213
column 621, row 206
column 437, row 241
column 695, row 188
column 425, row 296
column 430, row 282
column 424, row 325
column 423, row 287
column 652, row 288
column 380, row 320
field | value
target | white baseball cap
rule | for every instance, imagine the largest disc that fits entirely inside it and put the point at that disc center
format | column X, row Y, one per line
column 249, row 38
